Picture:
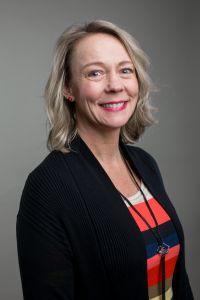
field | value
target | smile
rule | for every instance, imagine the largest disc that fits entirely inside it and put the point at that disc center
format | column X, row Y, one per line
column 114, row 106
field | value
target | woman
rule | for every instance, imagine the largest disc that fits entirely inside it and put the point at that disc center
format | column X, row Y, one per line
column 95, row 221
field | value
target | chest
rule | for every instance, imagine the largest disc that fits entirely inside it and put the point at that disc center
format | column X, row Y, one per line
column 102, row 231
column 123, row 179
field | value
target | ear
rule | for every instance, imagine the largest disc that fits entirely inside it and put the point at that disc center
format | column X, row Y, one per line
column 67, row 93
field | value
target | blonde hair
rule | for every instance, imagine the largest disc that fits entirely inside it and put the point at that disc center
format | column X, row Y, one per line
column 60, row 112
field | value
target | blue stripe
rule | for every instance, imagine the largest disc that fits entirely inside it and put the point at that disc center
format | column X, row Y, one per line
column 166, row 229
column 171, row 240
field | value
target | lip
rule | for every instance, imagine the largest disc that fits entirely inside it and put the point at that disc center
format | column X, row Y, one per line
column 114, row 102
column 117, row 107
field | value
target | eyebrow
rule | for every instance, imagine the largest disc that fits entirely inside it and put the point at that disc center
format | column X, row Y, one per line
column 100, row 63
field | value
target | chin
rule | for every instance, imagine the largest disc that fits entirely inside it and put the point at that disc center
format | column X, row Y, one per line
column 119, row 123
column 116, row 125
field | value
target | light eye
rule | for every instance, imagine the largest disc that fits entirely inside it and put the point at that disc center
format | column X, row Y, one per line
column 95, row 74
column 127, row 71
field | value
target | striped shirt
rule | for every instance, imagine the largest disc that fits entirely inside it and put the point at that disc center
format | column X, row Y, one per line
column 169, row 237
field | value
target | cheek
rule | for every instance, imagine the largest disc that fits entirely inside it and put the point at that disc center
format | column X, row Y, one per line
column 134, row 89
column 89, row 91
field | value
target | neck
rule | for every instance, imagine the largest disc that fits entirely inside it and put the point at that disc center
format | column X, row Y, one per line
column 105, row 146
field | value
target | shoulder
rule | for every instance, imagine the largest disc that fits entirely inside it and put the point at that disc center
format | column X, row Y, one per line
column 48, row 169
column 141, row 154
column 49, row 165
column 145, row 162
column 43, row 184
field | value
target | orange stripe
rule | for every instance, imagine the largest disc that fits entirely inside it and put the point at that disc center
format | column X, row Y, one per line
column 154, row 273
column 159, row 212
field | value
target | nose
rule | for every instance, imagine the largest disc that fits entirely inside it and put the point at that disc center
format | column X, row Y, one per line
column 113, row 83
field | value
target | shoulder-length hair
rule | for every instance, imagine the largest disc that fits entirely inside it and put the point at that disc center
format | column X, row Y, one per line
column 61, row 117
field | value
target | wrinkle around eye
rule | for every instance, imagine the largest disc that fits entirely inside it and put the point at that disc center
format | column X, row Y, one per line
column 130, row 70
column 95, row 74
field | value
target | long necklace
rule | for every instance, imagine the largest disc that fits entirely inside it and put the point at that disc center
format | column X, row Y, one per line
column 163, row 248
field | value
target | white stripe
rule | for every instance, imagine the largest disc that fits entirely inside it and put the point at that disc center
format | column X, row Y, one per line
column 168, row 295
column 138, row 197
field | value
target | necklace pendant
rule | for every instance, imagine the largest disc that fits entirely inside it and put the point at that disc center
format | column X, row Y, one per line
column 163, row 249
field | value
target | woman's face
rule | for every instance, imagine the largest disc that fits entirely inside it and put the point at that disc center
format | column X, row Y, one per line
column 104, row 83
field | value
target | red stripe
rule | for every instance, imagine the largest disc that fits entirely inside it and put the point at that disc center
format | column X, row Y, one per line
column 154, row 266
column 160, row 214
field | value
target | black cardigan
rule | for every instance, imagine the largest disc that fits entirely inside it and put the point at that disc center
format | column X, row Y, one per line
column 76, row 238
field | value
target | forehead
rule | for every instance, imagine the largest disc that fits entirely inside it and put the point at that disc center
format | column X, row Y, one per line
column 99, row 47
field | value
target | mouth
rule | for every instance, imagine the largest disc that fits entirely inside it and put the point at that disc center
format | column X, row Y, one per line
column 114, row 106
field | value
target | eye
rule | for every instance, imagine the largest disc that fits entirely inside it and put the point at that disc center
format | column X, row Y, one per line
column 95, row 75
column 127, row 71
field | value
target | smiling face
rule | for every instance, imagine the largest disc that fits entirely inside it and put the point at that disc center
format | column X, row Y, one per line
column 104, row 84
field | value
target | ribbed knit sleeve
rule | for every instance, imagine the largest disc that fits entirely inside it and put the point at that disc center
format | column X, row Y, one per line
column 45, row 255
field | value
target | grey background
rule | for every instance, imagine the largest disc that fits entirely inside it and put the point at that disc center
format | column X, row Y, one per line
column 168, row 31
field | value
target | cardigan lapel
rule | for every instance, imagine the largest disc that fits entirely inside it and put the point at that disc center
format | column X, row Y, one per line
column 120, row 241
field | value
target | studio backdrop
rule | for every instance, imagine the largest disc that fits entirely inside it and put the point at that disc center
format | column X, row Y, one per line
column 168, row 32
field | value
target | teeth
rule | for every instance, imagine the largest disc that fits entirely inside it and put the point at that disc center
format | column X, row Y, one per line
column 114, row 105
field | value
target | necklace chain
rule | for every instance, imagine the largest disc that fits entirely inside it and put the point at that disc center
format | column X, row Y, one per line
column 163, row 248
column 155, row 230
